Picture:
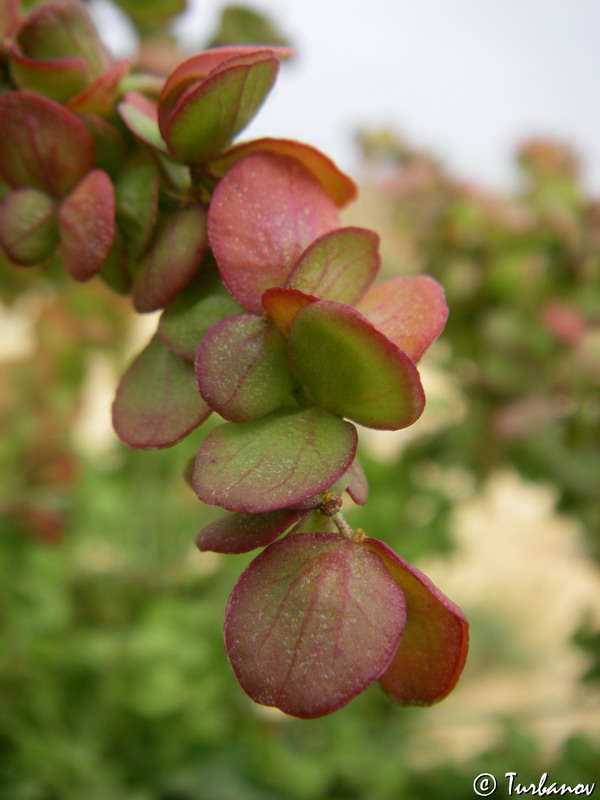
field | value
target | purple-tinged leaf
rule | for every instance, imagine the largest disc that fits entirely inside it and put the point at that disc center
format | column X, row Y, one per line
column 274, row 462
column 264, row 213
column 311, row 623
column 141, row 117
column 340, row 188
column 410, row 310
column 196, row 308
column 100, row 95
column 157, row 402
column 208, row 116
column 240, row 533
column 28, row 227
column 355, row 483
column 189, row 74
column 341, row 265
column 242, row 368
column 174, row 257
column 136, row 196
column 10, row 17
column 282, row 305
column 352, row 370
column 433, row 648
column 87, row 225
column 42, row 144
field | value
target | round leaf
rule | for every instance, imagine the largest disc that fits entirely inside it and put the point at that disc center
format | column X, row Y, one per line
column 351, row 369
column 175, row 255
column 242, row 368
column 410, row 310
column 433, row 648
column 282, row 305
column 274, row 462
column 311, row 623
column 240, row 533
column 28, row 228
column 87, row 225
column 263, row 215
column 341, row 265
column 157, row 402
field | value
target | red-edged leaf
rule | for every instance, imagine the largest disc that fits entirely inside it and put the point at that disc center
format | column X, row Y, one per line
column 282, row 305
column 410, row 310
column 57, row 78
column 337, row 184
column 194, row 69
column 311, row 623
column 174, row 257
column 357, row 485
column 157, row 402
column 87, row 225
column 42, row 144
column 433, row 648
column 264, row 213
column 341, row 265
column 28, row 228
column 10, row 17
column 240, row 533
column 140, row 115
column 351, row 369
column 203, row 302
column 274, row 462
column 242, row 368
column 100, row 95
column 206, row 117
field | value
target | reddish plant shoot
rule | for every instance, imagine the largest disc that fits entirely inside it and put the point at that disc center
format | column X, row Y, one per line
column 271, row 317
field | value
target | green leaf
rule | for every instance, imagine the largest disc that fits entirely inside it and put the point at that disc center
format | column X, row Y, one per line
column 341, row 265
column 352, row 370
column 311, row 623
column 208, row 115
column 136, row 195
column 195, row 309
column 28, row 226
column 140, row 116
column 410, row 310
column 157, row 402
column 433, row 648
column 87, row 225
column 275, row 462
column 240, row 533
column 263, row 215
column 175, row 255
column 242, row 368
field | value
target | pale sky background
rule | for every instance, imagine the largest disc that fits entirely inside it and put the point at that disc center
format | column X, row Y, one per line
column 466, row 79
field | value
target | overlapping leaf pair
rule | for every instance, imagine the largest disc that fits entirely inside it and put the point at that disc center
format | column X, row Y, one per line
column 269, row 318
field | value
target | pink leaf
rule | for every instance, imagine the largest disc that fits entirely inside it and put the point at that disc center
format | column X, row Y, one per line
column 411, row 311
column 311, row 623
column 87, row 225
column 264, row 213
column 433, row 648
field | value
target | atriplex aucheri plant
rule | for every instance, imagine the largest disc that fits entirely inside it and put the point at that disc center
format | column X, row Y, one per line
column 270, row 318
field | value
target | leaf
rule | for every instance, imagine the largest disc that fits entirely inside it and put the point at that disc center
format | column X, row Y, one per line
column 311, row 623
column 195, row 309
column 341, row 265
column 42, row 144
column 433, row 648
column 175, row 255
column 141, row 117
column 263, row 215
column 274, row 462
column 240, row 533
column 282, row 305
column 58, row 78
column 87, row 225
column 242, row 368
column 356, row 484
column 352, row 370
column 207, row 116
column 100, row 95
column 136, row 195
column 410, row 310
column 340, row 188
column 190, row 73
column 28, row 228
column 157, row 402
